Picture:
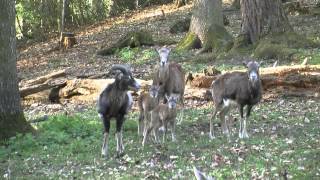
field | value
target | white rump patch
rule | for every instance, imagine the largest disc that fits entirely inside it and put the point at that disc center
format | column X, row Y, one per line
column 162, row 128
column 100, row 115
column 228, row 102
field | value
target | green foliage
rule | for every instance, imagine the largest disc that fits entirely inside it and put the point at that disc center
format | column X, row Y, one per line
column 136, row 55
column 36, row 17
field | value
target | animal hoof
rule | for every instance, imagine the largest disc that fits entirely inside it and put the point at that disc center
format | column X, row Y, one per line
column 211, row 136
column 245, row 135
column 105, row 156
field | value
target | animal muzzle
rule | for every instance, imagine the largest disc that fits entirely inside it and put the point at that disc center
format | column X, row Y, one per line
column 135, row 86
column 253, row 77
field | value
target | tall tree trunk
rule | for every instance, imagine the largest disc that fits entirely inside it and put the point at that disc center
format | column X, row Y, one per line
column 63, row 16
column 207, row 26
column 12, row 120
column 261, row 17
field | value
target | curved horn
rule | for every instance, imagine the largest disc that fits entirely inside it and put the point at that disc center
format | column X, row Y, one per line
column 121, row 68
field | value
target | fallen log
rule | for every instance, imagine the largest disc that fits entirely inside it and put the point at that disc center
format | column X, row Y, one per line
column 43, row 83
column 299, row 76
column 287, row 80
column 42, row 79
column 40, row 87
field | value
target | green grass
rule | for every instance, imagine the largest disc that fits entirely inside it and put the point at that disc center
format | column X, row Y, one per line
column 284, row 138
column 136, row 55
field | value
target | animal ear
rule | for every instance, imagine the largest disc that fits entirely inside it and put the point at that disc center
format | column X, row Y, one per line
column 245, row 64
column 157, row 48
column 260, row 63
column 119, row 75
column 167, row 97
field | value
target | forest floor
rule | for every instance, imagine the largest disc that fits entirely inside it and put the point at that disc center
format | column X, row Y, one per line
column 284, row 131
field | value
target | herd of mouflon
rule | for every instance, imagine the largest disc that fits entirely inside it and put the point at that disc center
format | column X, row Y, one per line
column 158, row 107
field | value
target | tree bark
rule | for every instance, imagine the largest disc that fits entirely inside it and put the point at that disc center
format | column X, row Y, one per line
column 207, row 26
column 98, row 9
column 12, row 120
column 261, row 17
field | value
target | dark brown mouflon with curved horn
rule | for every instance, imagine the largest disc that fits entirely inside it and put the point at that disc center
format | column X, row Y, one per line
column 114, row 102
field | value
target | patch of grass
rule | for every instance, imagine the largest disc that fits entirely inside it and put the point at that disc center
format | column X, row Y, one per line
column 136, row 55
column 313, row 56
column 284, row 141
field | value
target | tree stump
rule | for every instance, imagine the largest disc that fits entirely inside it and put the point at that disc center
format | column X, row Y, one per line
column 67, row 40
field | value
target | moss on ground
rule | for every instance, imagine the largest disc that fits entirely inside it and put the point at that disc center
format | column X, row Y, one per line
column 190, row 41
column 282, row 45
column 131, row 39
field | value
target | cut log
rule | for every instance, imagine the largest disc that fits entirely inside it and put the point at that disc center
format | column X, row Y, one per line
column 67, row 40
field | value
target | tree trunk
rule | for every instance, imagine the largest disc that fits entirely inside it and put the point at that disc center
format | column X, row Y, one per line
column 236, row 4
column 261, row 17
column 98, row 9
column 12, row 120
column 207, row 27
column 63, row 16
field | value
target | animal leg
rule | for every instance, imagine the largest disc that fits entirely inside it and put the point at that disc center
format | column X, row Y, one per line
column 241, row 122
column 182, row 110
column 120, row 146
column 140, row 123
column 164, row 136
column 156, row 135
column 106, row 123
column 173, row 129
column 211, row 134
column 225, row 126
column 244, row 131
column 146, row 134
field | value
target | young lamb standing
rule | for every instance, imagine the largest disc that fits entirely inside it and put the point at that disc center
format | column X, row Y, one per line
column 239, row 88
column 170, row 77
column 114, row 102
column 162, row 116
column 147, row 102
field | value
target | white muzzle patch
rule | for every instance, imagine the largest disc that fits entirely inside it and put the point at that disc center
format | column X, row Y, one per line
column 253, row 76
